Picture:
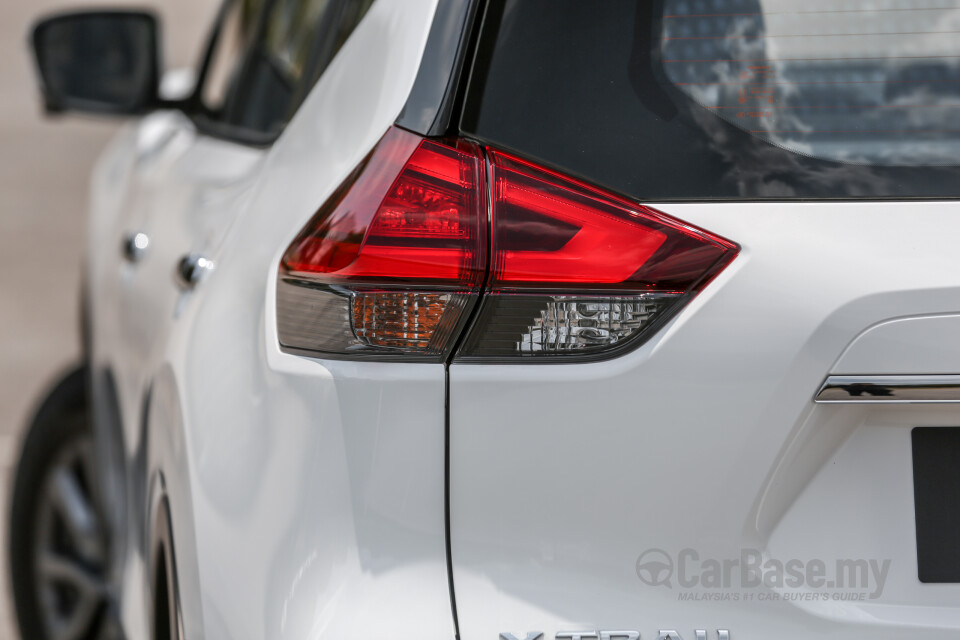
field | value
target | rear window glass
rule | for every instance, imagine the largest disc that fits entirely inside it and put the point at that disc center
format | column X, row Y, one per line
column 747, row 99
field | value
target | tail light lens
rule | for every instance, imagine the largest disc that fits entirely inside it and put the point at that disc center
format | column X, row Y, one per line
column 577, row 271
column 393, row 264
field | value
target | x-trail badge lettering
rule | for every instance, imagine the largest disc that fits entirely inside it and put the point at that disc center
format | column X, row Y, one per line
column 531, row 635
column 662, row 634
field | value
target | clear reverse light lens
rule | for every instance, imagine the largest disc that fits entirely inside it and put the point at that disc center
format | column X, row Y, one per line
column 569, row 323
column 541, row 325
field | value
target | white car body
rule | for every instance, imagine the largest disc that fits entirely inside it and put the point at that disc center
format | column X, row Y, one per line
column 314, row 498
column 255, row 515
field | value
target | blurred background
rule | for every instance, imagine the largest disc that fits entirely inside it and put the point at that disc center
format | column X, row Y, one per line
column 44, row 169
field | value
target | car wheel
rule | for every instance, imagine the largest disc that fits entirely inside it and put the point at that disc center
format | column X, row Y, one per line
column 58, row 542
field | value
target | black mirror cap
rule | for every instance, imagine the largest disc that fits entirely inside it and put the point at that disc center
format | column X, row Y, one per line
column 101, row 62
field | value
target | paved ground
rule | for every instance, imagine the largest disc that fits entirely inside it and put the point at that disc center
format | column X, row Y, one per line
column 43, row 174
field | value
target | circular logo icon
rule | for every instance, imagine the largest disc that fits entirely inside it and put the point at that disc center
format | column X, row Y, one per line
column 655, row 568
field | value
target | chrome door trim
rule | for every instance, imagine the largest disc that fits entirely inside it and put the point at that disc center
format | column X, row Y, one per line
column 889, row 389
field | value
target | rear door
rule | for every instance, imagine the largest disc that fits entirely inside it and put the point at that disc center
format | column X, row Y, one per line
column 692, row 485
column 193, row 174
column 181, row 190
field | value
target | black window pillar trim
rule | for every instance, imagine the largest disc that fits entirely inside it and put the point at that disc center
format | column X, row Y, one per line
column 430, row 105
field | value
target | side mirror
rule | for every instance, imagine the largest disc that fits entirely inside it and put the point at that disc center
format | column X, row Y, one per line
column 103, row 62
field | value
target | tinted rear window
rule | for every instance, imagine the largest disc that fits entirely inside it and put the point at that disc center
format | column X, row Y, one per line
column 745, row 99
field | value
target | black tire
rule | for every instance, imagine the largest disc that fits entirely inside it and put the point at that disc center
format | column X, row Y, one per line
column 60, row 422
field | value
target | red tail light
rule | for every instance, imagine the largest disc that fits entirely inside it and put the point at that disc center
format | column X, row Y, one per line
column 393, row 263
column 577, row 271
column 409, row 214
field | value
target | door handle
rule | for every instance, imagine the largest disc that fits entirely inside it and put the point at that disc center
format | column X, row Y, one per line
column 135, row 245
column 192, row 269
